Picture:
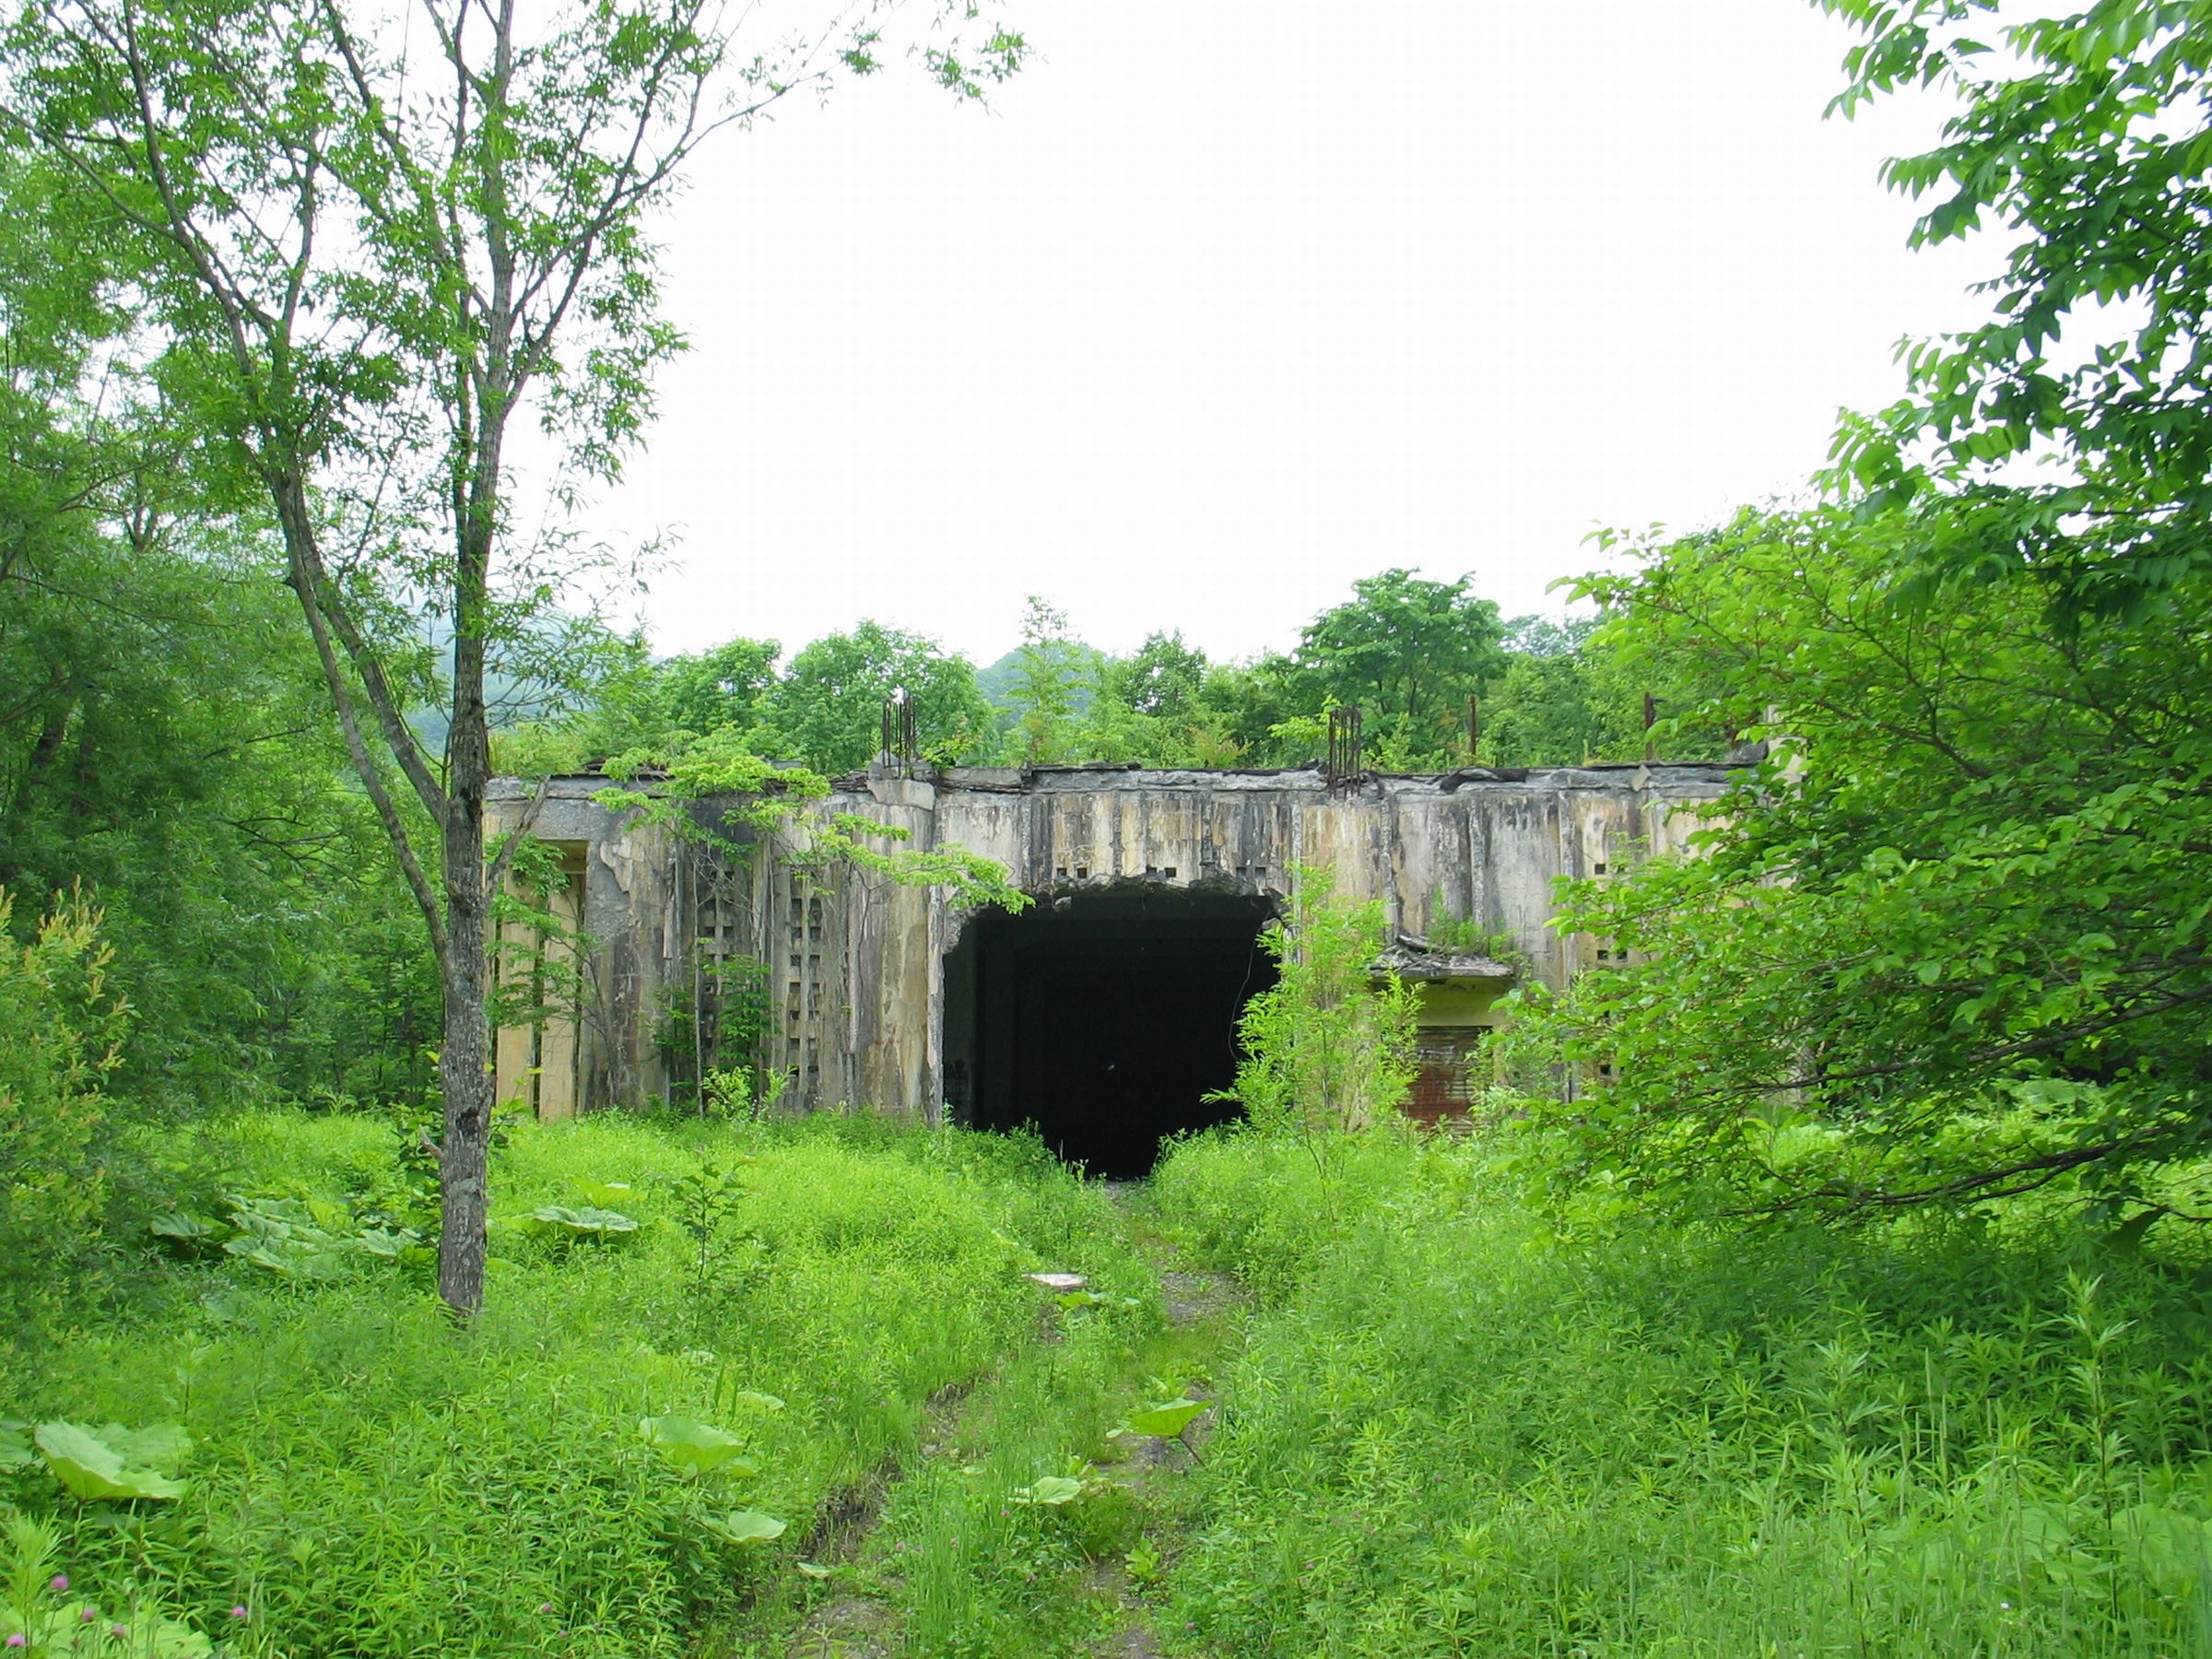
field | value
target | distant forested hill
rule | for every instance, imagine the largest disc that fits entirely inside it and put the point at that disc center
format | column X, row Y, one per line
column 997, row 682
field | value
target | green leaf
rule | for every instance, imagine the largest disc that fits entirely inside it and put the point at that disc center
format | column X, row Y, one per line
column 87, row 1631
column 1052, row 1490
column 83, row 1630
column 14, row 1445
column 329, row 1214
column 93, row 1463
column 291, row 1258
column 161, row 1446
column 2174, row 1550
column 1167, row 1421
column 697, row 1448
column 593, row 1223
column 184, row 1227
column 745, row 1527
column 2127, row 1238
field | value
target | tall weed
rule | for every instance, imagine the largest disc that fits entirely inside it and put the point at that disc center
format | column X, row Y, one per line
column 1327, row 1048
column 368, row 1479
column 1459, row 1432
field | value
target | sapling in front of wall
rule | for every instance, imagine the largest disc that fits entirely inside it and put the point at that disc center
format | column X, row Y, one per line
column 1329, row 1049
column 665, row 784
column 538, row 952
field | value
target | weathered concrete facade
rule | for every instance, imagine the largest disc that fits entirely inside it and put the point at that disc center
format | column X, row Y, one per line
column 856, row 966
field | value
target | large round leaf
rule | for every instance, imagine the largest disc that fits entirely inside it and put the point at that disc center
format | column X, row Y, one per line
column 582, row 1223
column 184, row 1227
column 697, row 1448
column 106, row 1463
column 1052, row 1490
column 1167, row 1421
column 743, row 1526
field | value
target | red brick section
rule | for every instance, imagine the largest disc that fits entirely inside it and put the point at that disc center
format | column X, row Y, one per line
column 1445, row 1086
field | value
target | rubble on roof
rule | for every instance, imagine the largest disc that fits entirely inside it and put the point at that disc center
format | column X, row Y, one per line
column 1410, row 957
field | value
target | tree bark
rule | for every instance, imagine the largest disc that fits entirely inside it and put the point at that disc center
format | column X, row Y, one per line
column 464, row 1075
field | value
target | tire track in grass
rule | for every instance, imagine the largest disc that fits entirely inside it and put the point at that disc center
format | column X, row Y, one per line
column 968, row 1547
column 855, row 1625
column 1210, row 1310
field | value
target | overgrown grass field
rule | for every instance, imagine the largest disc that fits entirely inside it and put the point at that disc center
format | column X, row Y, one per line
column 366, row 1478
column 1467, row 1426
column 1460, row 1416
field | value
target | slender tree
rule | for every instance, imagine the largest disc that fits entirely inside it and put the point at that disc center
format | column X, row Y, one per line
column 369, row 242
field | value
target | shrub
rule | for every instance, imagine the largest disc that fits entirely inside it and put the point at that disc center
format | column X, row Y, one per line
column 60, row 1034
column 1328, row 1048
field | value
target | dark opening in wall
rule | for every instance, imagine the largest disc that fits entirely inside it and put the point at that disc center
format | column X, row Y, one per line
column 1104, row 1018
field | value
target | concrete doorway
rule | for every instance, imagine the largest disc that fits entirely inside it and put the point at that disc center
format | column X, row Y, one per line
column 1102, row 1017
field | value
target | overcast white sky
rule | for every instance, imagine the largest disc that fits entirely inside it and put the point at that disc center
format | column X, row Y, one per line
column 1223, row 305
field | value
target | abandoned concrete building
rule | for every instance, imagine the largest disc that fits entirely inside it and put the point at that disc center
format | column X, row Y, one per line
column 1104, row 1012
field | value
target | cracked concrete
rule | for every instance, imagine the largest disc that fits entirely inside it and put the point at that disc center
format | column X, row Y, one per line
column 855, row 964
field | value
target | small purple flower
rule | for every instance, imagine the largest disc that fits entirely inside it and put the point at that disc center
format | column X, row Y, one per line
column 238, row 1613
column 87, row 1614
column 16, row 1639
column 545, row 1607
column 58, row 1582
column 119, row 1632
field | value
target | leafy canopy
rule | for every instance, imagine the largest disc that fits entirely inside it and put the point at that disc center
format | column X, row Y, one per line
column 1408, row 653
column 1952, row 938
column 2084, row 139
column 825, row 711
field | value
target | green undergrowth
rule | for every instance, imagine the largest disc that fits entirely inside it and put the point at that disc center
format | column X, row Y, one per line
column 1459, row 1429
column 975, row 1557
column 366, row 1478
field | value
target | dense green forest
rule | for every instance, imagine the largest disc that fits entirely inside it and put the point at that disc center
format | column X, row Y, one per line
column 1826, row 1274
column 1441, row 680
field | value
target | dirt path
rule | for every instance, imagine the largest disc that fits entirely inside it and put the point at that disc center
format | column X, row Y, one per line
column 878, row 1587
column 861, row 1626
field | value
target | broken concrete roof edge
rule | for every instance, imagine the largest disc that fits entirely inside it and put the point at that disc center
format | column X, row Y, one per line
column 1410, row 957
column 1056, row 779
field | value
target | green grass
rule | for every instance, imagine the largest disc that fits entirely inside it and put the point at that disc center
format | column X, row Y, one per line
column 1461, row 1431
column 964, row 1566
column 1457, row 1423
column 368, row 1479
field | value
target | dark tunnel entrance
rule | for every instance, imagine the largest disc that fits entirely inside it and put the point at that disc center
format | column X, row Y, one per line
column 1104, row 1018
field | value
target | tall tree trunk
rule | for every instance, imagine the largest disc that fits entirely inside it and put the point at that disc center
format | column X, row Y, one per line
column 464, row 1075
column 487, row 396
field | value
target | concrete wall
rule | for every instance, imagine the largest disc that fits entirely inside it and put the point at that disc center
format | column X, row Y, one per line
column 857, row 962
